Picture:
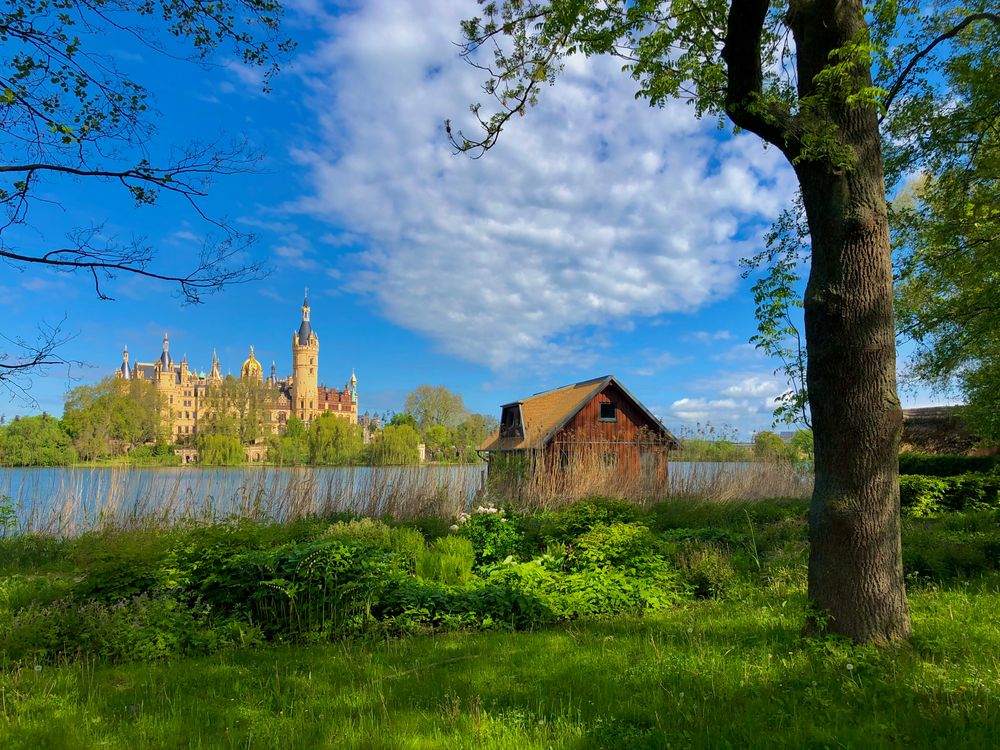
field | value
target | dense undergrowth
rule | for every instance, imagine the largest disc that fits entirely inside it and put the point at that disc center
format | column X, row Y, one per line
column 140, row 595
column 601, row 625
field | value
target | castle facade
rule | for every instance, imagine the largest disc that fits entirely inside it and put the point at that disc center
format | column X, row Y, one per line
column 185, row 392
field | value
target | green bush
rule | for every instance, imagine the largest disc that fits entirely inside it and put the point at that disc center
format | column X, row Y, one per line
column 322, row 588
column 618, row 544
column 494, row 536
column 408, row 542
column 566, row 524
column 960, row 545
column 921, row 496
column 117, row 564
column 449, row 561
column 140, row 628
column 706, row 568
column 932, row 465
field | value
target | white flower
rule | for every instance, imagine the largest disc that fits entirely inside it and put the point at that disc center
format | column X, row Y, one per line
column 850, row 667
column 453, row 527
column 38, row 667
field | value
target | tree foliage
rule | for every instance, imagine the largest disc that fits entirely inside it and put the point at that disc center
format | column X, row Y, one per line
column 334, row 441
column 239, row 408
column 113, row 416
column 394, row 446
column 946, row 225
column 72, row 117
column 35, row 441
column 432, row 405
column 812, row 79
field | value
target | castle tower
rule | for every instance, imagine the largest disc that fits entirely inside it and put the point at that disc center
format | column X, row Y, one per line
column 215, row 376
column 166, row 368
column 123, row 371
column 305, row 368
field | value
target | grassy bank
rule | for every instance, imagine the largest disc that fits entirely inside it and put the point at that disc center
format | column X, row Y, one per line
column 710, row 674
column 597, row 626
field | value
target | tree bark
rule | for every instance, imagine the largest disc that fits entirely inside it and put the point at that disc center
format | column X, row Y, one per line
column 856, row 584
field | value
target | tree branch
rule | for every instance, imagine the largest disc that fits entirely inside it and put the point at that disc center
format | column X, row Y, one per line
column 943, row 37
column 744, row 102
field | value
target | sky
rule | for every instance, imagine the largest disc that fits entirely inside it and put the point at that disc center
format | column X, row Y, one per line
column 600, row 236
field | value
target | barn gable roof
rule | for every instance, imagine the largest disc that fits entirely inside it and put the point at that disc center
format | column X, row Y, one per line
column 545, row 413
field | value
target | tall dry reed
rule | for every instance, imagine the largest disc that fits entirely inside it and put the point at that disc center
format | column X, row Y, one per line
column 66, row 502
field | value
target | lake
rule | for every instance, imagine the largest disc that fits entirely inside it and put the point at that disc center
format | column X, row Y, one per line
column 66, row 500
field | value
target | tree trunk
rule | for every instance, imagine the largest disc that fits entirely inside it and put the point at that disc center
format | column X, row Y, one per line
column 855, row 565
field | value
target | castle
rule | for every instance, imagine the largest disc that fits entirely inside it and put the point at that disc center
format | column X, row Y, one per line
column 185, row 391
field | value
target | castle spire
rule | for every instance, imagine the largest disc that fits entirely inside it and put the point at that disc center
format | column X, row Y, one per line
column 216, row 373
column 165, row 361
column 123, row 371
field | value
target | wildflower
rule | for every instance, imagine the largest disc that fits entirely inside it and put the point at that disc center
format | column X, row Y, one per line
column 38, row 667
column 850, row 667
column 453, row 527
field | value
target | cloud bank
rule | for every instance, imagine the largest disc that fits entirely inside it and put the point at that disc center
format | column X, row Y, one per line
column 593, row 210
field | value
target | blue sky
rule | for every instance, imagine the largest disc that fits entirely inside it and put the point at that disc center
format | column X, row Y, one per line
column 600, row 236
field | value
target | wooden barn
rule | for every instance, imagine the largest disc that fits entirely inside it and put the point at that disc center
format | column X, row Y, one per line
column 596, row 425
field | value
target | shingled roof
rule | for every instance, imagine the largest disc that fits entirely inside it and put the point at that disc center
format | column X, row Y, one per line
column 544, row 414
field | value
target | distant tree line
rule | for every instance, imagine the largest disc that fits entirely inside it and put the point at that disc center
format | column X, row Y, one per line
column 126, row 421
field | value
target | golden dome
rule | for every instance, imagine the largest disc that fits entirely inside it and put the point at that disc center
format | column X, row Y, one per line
column 251, row 368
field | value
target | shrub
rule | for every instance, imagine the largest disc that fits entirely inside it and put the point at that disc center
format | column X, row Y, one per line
column 705, row 568
column 140, row 628
column 408, row 542
column 450, row 561
column 117, row 564
column 924, row 496
column 942, row 553
column 618, row 544
column 494, row 536
column 933, row 465
column 566, row 524
column 921, row 496
column 322, row 588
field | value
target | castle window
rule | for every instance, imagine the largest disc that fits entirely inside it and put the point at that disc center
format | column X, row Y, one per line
column 187, row 415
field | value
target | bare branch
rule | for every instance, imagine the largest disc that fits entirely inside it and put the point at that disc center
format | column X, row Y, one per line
column 943, row 37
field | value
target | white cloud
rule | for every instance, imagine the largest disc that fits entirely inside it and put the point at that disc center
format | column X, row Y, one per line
column 739, row 401
column 753, row 387
column 297, row 252
column 593, row 209
column 707, row 337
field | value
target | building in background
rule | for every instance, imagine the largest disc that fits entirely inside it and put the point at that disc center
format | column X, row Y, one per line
column 186, row 392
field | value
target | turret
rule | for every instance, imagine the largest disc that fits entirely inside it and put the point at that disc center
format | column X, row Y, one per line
column 305, row 367
column 166, row 365
column 123, row 371
column 215, row 375
column 352, row 386
column 184, row 368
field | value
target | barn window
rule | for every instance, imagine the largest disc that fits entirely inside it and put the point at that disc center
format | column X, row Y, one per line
column 609, row 411
column 510, row 422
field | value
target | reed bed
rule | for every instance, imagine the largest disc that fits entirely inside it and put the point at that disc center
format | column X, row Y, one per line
column 67, row 502
column 542, row 486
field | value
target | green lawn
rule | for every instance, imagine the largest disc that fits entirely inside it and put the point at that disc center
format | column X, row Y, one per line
column 717, row 673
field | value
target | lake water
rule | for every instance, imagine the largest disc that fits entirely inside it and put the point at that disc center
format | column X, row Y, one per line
column 65, row 500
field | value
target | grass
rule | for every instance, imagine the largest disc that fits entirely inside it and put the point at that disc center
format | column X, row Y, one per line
column 712, row 674
column 729, row 672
